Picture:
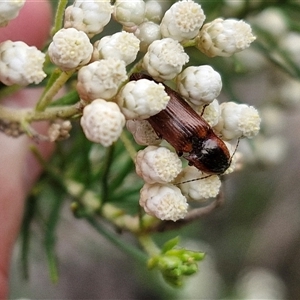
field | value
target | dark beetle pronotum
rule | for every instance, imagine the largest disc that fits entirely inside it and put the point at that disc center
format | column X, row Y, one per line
column 190, row 135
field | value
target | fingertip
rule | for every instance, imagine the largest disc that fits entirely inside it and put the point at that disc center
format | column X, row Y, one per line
column 32, row 26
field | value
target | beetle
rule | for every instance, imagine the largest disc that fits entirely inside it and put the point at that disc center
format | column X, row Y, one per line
column 190, row 135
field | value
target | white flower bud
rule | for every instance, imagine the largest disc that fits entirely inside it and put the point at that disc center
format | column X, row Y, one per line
column 9, row 10
column 211, row 113
column 129, row 13
column 143, row 132
column 224, row 37
column 21, row 64
column 202, row 186
column 59, row 130
column 121, row 45
column 88, row 16
column 102, row 122
column 147, row 32
column 142, row 99
column 182, row 21
column 238, row 120
column 164, row 59
column 164, row 202
column 101, row 79
column 200, row 85
column 153, row 11
column 157, row 164
column 70, row 49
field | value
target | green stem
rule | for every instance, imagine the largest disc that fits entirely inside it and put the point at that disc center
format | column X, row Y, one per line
column 137, row 254
column 47, row 98
column 148, row 244
column 29, row 115
column 189, row 43
column 128, row 145
column 136, row 68
column 60, row 10
column 50, row 238
column 106, row 171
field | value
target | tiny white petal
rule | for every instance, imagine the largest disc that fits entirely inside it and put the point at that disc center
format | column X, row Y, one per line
column 200, row 85
column 157, row 164
column 224, row 37
column 101, row 79
column 182, row 21
column 163, row 201
column 143, row 132
column 142, row 99
column 88, row 16
column 102, row 122
column 164, row 59
column 70, row 49
column 20, row 64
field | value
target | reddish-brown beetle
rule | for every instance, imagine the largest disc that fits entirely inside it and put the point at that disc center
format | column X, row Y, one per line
column 189, row 133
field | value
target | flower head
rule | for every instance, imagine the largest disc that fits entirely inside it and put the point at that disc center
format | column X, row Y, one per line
column 70, row 49
column 200, row 85
column 142, row 99
column 157, row 164
column 102, row 122
column 153, row 11
column 101, row 79
column 211, row 113
column 238, row 120
column 182, row 21
column 224, row 37
column 9, row 10
column 147, row 32
column 88, row 16
column 129, row 13
column 163, row 201
column 121, row 45
column 164, row 59
column 20, row 64
column 59, row 130
column 208, row 186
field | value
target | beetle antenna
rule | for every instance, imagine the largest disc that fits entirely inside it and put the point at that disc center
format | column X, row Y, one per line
column 191, row 180
column 237, row 144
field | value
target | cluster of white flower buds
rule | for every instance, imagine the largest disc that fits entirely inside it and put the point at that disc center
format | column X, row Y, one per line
column 109, row 99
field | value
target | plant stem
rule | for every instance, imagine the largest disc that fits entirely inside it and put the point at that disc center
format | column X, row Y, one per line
column 60, row 10
column 28, row 115
column 128, row 145
column 148, row 244
column 116, row 241
column 47, row 98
